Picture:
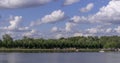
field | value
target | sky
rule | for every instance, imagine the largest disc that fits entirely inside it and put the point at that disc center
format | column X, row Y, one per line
column 59, row 18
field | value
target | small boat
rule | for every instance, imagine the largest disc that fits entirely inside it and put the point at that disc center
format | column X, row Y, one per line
column 101, row 51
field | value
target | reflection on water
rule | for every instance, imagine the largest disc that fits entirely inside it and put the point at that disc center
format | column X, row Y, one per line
column 60, row 57
column 8, row 57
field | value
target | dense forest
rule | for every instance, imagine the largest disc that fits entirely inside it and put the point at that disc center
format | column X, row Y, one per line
column 62, row 43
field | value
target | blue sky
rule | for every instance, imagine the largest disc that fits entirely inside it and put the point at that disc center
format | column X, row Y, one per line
column 59, row 18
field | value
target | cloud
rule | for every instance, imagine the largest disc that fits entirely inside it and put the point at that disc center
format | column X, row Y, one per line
column 59, row 36
column 69, row 26
column 30, row 33
column 109, row 30
column 54, row 17
column 9, row 4
column 117, row 29
column 78, row 34
column 99, row 30
column 82, row 34
column 79, row 19
column 14, row 27
column 15, row 22
column 102, row 31
column 95, row 30
column 87, row 8
column 69, row 2
column 108, row 14
column 54, row 29
column 115, row 0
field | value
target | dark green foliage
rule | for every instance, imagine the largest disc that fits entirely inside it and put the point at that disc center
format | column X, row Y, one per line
column 71, row 42
column 7, row 41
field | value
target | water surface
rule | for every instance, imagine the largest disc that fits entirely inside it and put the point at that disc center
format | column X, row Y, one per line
column 81, row 57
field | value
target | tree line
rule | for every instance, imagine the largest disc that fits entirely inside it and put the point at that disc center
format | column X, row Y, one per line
column 91, row 42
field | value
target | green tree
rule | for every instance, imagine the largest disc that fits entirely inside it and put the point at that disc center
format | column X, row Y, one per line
column 7, row 41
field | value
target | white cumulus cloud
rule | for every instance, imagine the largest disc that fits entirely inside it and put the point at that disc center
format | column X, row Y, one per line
column 78, row 19
column 117, row 29
column 14, row 23
column 69, row 2
column 55, row 16
column 7, row 4
column 54, row 29
column 87, row 8
column 108, row 14
column 78, row 34
column 69, row 26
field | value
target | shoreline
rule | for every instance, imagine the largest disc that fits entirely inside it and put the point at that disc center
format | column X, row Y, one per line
column 50, row 50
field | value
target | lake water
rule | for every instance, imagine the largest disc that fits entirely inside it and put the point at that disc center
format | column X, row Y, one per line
column 81, row 57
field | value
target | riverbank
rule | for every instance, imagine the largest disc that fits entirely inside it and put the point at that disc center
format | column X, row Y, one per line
column 48, row 50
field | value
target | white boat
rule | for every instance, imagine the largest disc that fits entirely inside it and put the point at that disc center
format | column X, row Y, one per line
column 101, row 51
